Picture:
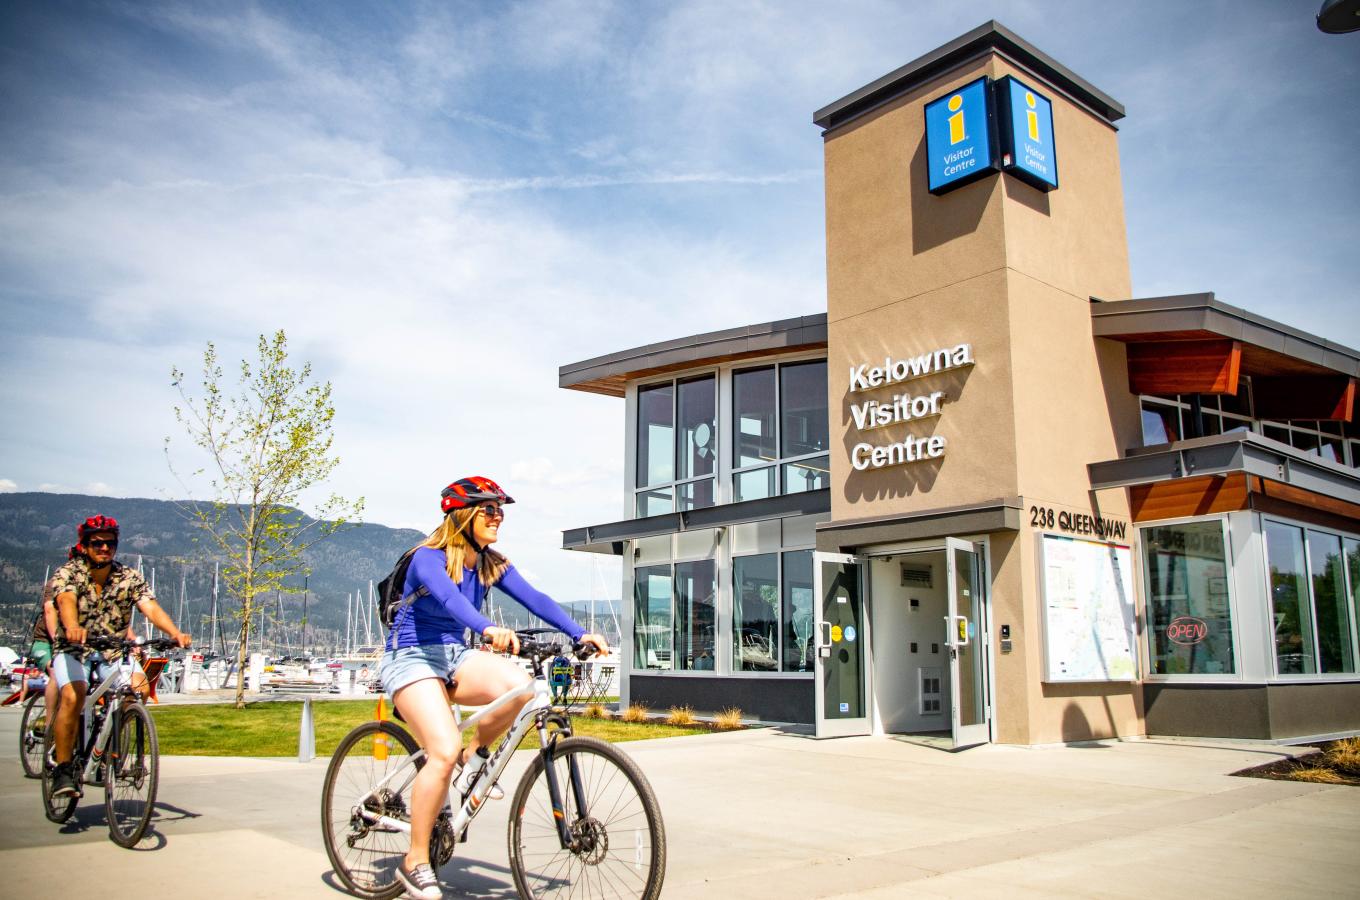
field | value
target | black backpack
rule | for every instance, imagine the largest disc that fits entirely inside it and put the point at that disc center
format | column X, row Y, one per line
column 390, row 599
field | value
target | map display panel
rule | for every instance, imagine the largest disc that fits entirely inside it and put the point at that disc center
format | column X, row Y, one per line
column 1089, row 627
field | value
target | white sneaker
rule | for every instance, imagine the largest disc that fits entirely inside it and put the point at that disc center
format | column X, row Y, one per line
column 419, row 882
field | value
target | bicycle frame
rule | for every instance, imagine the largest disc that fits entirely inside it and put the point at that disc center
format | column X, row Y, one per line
column 92, row 747
column 539, row 700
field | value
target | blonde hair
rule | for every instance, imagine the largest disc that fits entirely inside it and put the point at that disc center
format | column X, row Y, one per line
column 452, row 537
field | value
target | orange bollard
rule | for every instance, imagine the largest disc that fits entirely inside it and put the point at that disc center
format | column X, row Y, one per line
column 380, row 739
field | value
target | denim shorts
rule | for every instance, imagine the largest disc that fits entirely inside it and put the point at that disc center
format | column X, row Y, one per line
column 69, row 667
column 407, row 665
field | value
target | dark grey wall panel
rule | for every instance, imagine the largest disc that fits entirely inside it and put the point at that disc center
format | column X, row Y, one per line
column 1207, row 710
column 767, row 699
column 1300, row 710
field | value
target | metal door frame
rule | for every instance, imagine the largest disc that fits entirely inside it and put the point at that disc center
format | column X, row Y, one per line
column 969, row 735
column 861, row 725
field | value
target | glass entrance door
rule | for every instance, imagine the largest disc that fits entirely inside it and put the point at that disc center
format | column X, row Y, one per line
column 966, row 638
column 842, row 690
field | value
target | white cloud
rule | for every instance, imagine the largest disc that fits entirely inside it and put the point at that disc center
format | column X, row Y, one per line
column 7, row 486
column 442, row 211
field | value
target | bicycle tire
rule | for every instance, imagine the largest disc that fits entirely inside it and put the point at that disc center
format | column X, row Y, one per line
column 366, row 859
column 622, row 856
column 131, row 775
column 57, row 809
column 33, row 735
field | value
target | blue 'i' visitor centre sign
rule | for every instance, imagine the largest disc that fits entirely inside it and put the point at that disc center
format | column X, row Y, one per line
column 1025, row 120
column 960, row 137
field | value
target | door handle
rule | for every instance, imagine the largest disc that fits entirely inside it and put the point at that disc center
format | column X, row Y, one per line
column 823, row 634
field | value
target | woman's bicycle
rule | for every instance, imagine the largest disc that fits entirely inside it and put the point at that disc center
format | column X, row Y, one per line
column 115, row 746
column 583, row 821
column 32, row 731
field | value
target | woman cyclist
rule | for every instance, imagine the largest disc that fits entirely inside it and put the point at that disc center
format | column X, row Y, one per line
column 426, row 663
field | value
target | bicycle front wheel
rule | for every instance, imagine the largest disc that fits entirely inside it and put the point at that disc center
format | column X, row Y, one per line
column 32, row 729
column 131, row 774
column 57, row 809
column 364, row 853
column 617, row 843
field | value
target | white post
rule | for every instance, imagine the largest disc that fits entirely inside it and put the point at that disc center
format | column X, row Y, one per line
column 306, row 733
column 257, row 671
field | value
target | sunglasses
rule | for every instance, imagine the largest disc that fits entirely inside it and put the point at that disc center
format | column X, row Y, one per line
column 96, row 543
column 492, row 511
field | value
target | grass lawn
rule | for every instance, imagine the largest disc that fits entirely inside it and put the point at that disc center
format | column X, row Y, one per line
column 271, row 729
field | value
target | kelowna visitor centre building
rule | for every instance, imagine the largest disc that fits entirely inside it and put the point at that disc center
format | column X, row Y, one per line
column 987, row 495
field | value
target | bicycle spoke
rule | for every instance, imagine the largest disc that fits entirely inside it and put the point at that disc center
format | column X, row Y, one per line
column 365, row 855
column 618, row 845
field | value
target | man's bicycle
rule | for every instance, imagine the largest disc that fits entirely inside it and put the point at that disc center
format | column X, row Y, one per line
column 115, row 746
column 583, row 821
column 32, row 731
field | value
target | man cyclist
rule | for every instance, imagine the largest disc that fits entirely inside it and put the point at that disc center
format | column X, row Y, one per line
column 95, row 596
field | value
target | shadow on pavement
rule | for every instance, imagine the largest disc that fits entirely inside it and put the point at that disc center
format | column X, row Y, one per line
column 168, row 812
column 458, row 874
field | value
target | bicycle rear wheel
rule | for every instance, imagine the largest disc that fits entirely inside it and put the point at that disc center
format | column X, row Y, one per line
column 57, row 809
column 32, row 730
column 618, row 842
column 131, row 773
column 365, row 856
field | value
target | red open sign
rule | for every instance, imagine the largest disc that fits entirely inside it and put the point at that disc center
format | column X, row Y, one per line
column 1187, row 630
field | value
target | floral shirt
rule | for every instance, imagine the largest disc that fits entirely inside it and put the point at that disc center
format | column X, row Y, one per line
column 102, row 613
column 40, row 623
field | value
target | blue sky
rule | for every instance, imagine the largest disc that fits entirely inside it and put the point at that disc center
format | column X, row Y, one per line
column 444, row 202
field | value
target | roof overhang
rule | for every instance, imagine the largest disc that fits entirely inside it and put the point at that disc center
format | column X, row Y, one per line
column 990, row 37
column 1268, row 347
column 1002, row 514
column 1196, row 344
column 611, row 537
column 1228, row 454
column 610, row 374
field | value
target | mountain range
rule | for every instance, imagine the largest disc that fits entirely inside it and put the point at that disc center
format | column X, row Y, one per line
column 162, row 538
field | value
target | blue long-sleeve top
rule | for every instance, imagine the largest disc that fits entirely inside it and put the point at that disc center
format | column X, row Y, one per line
column 440, row 616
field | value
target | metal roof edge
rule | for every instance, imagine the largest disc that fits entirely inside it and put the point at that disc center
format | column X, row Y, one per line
column 990, row 35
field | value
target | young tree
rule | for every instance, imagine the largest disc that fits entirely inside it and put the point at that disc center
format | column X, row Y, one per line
column 269, row 443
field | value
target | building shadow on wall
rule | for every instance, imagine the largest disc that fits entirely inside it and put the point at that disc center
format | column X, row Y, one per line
column 1025, row 195
column 1076, row 725
column 939, row 220
column 907, row 478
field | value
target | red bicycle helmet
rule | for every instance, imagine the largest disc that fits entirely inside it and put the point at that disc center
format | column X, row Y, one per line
column 470, row 491
column 96, row 524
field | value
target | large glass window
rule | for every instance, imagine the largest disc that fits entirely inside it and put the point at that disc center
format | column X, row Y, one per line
column 1331, row 603
column 1289, row 600
column 655, row 462
column 798, row 619
column 1167, row 419
column 695, row 623
column 675, row 622
column 793, row 398
column 1312, row 587
column 652, row 617
column 753, row 406
column 697, row 437
column 755, row 613
column 676, row 445
column 772, row 618
column 1189, row 610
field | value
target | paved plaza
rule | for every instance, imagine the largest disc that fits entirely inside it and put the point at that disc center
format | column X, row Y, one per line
column 771, row 813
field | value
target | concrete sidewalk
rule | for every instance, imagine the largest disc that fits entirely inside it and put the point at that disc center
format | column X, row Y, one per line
column 768, row 813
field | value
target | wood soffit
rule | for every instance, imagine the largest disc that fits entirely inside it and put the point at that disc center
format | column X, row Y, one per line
column 1267, row 347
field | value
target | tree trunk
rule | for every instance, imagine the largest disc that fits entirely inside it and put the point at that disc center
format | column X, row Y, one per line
column 242, row 656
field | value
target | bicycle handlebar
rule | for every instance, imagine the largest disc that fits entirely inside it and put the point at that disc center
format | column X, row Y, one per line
column 530, row 648
column 104, row 642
